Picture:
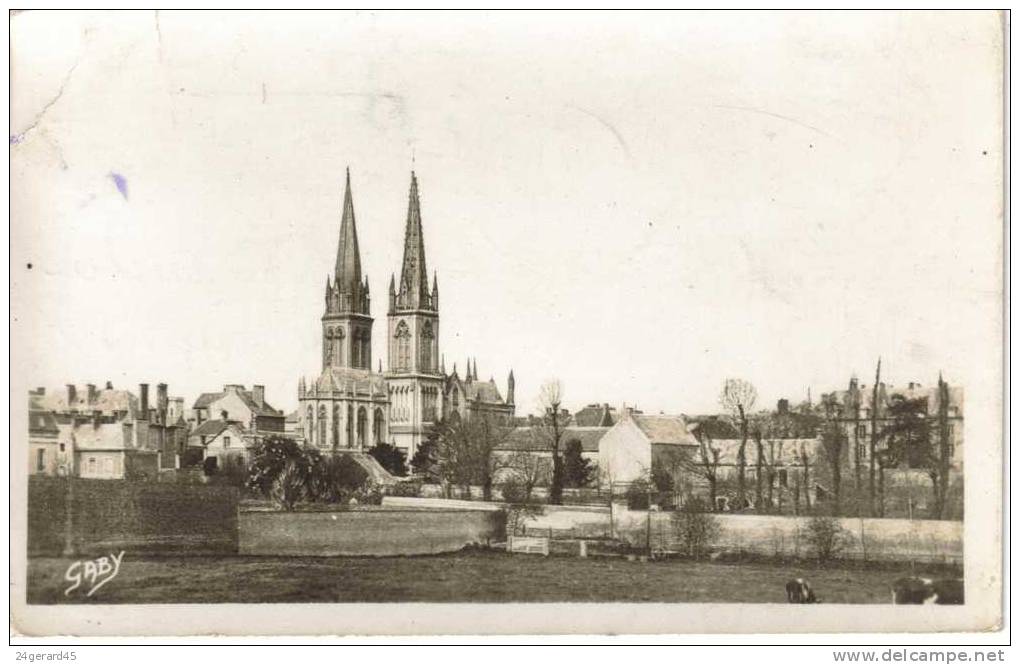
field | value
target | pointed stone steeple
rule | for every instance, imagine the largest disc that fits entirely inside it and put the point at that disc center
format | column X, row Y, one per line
column 510, row 388
column 348, row 258
column 414, row 281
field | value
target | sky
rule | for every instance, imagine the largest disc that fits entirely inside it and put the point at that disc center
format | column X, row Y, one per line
column 637, row 205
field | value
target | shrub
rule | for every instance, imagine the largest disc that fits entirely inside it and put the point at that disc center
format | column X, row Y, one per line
column 638, row 495
column 335, row 478
column 406, row 488
column 391, row 458
column 268, row 458
column 696, row 528
column 826, row 537
column 289, row 486
column 520, row 505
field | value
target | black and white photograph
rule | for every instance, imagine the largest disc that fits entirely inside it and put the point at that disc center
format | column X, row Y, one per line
column 679, row 321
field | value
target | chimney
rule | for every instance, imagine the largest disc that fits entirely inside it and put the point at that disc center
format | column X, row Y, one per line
column 143, row 390
column 72, row 394
column 91, row 393
column 161, row 402
column 258, row 393
column 783, row 406
column 109, row 385
column 40, row 391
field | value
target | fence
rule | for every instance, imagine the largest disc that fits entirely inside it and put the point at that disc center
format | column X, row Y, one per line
column 141, row 517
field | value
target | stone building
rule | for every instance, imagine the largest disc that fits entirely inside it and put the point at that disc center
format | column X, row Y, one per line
column 348, row 406
column 853, row 408
column 106, row 433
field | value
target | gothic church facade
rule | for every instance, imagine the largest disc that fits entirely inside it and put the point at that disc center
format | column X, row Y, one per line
column 350, row 407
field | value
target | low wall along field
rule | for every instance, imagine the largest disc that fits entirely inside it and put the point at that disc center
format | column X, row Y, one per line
column 366, row 532
column 143, row 517
column 937, row 541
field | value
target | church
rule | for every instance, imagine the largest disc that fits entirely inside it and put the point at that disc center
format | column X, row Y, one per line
column 350, row 407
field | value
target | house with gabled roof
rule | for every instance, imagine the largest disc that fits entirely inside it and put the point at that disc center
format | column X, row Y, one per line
column 629, row 449
column 249, row 408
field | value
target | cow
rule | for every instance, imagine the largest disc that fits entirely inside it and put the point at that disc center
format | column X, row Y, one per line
column 799, row 591
column 925, row 591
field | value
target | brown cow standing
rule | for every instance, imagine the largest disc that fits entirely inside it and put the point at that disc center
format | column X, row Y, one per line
column 924, row 591
column 799, row 591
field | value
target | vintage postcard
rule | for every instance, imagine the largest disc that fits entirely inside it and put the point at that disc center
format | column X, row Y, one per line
column 369, row 323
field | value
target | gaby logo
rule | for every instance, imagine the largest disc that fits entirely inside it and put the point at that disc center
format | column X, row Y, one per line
column 95, row 573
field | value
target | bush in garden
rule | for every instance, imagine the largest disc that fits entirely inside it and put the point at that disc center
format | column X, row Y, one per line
column 268, row 458
column 289, row 486
column 336, row 478
column 696, row 527
column 406, row 488
column 519, row 504
column 638, row 495
column 827, row 537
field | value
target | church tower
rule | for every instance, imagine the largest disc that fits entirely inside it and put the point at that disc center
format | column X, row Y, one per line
column 345, row 407
column 413, row 363
column 347, row 324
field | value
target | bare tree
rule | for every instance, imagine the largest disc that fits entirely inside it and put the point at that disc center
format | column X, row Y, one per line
column 773, row 459
column 833, row 441
column 553, row 424
column 873, row 440
column 705, row 463
column 737, row 399
column 528, row 469
column 805, row 462
column 941, row 462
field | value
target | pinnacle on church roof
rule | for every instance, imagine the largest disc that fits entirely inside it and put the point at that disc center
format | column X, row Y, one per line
column 348, row 257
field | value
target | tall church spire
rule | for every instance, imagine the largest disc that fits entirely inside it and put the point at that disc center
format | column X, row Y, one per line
column 414, row 281
column 348, row 258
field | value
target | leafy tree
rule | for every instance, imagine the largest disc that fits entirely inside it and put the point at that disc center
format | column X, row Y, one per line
column 289, row 487
column 577, row 470
column 425, row 461
column 336, row 478
column 737, row 399
column 268, row 458
column 390, row 458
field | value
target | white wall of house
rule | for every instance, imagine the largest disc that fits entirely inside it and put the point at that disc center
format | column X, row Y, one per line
column 625, row 454
column 229, row 443
column 235, row 407
column 100, row 464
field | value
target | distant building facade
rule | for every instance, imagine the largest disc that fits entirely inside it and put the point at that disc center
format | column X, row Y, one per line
column 105, row 433
column 856, row 407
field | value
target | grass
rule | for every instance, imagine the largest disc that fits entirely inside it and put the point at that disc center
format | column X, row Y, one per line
column 465, row 577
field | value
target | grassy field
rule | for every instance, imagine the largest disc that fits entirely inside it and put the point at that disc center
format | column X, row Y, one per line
column 463, row 577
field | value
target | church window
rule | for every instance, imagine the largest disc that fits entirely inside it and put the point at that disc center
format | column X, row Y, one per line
column 336, row 425
column 403, row 336
column 356, row 349
column 309, row 424
column 377, row 427
column 426, row 346
column 322, row 426
column 362, row 420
